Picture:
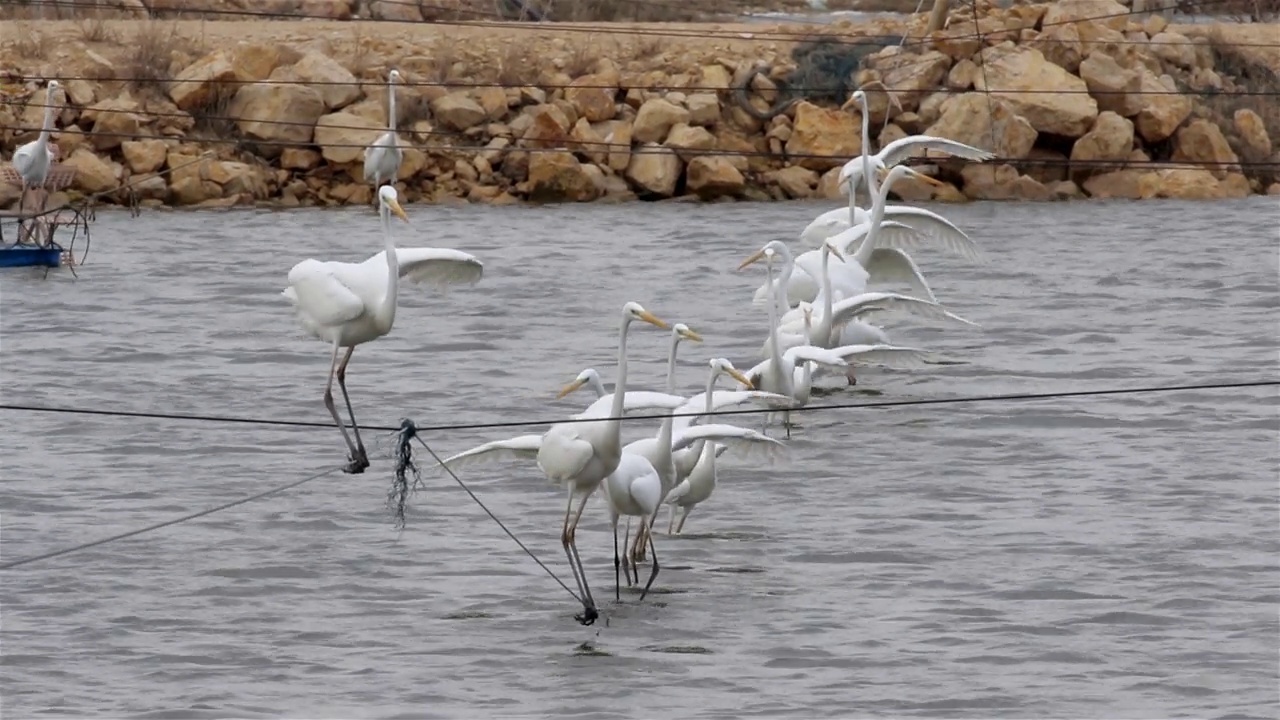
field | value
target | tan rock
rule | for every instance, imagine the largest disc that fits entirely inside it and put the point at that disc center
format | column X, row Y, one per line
column 559, row 177
column 1115, row 88
column 299, row 158
column 984, row 181
column 1121, row 184
column 911, row 75
column 80, row 92
column 201, row 83
column 704, row 109
column 336, row 85
column 343, row 137
column 1107, row 13
column 93, row 174
column 654, row 170
column 1045, row 165
column 285, row 113
column 458, row 111
column 1202, row 143
column 494, row 100
column 1175, row 49
column 255, row 62
column 985, row 122
column 617, row 141
column 1060, row 44
column 1188, row 184
column 412, row 162
column 716, row 77
column 1110, row 140
column 237, row 178
column 1065, row 190
column 1273, row 189
column 689, row 141
column 1050, row 98
column 1164, row 108
column 115, row 120
column 548, row 127
column 655, row 119
column 1154, row 25
column 395, row 10
column 144, row 156
column 822, row 138
column 193, row 191
column 711, row 177
column 594, row 97
column 961, row 75
column 959, row 42
column 795, row 181
column 1255, row 143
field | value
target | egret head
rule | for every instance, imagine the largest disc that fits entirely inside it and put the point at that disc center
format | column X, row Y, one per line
column 721, row 366
column 772, row 249
column 889, row 176
column 680, row 331
column 394, row 75
column 635, row 311
column 389, row 201
column 583, row 378
column 858, row 98
column 830, row 248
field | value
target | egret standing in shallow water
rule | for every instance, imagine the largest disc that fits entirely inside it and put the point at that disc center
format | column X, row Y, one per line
column 348, row 304
column 382, row 158
column 33, row 160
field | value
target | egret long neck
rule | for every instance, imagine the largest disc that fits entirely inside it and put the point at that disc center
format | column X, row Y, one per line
column 671, row 363
column 781, row 286
column 879, row 200
column 668, row 422
column 867, row 175
column 824, row 325
column 391, row 104
column 387, row 310
column 619, row 386
column 47, row 127
column 775, row 353
column 700, row 447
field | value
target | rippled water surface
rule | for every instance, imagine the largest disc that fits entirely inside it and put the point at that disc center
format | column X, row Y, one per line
column 1096, row 557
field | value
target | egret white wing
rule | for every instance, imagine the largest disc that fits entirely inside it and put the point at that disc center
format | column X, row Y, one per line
column 520, row 447
column 316, row 291
column 439, row 267
column 850, row 308
column 564, row 452
column 889, row 265
column 724, row 400
column 846, row 277
column 903, row 148
column 930, row 226
column 634, row 401
column 744, row 440
column 826, row 225
column 890, row 356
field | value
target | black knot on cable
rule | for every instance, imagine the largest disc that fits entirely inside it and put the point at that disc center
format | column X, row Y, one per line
column 400, row 486
column 588, row 615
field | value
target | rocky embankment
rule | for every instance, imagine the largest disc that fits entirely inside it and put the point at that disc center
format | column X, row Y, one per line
column 1072, row 107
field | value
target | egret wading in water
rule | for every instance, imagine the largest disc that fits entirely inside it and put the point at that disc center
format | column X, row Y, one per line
column 579, row 456
column 382, row 158
column 348, row 304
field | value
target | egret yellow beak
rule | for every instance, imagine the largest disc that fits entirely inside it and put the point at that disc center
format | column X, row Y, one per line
column 689, row 334
column 737, row 375
column 834, row 251
column 884, row 173
column 399, row 211
column 754, row 257
column 851, row 102
column 570, row 388
column 652, row 319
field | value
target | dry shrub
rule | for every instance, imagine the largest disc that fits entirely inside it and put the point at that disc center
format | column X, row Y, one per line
column 584, row 58
column 150, row 54
column 96, row 30
column 632, row 10
column 34, row 45
column 517, row 65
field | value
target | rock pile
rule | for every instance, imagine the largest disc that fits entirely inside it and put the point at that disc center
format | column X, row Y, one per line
column 1071, row 106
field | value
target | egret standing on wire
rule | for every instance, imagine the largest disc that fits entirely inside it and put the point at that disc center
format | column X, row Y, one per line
column 347, row 304
column 382, row 158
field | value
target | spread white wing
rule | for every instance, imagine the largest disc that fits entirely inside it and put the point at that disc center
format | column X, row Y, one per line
column 725, row 400
column 318, row 294
column 890, row 356
column 521, row 447
column 890, row 265
column 851, row 308
column 739, row 439
column 439, row 267
column 635, row 401
column 903, row 148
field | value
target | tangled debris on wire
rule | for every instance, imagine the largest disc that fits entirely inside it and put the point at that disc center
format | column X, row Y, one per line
column 401, row 488
column 824, row 71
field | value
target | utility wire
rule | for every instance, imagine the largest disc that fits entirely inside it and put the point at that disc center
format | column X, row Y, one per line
column 453, row 427
column 176, row 521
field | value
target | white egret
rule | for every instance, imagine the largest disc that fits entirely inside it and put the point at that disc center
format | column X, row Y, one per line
column 633, row 489
column 578, row 456
column 698, row 483
column 347, row 304
column 382, row 158
column 33, row 160
column 895, row 152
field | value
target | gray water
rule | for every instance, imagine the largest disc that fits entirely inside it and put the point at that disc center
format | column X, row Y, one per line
column 1098, row 557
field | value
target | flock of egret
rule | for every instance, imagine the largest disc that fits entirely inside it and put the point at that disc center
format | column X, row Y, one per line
column 817, row 321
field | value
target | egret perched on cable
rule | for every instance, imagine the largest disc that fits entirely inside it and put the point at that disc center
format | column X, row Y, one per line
column 382, row 158
column 348, row 304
